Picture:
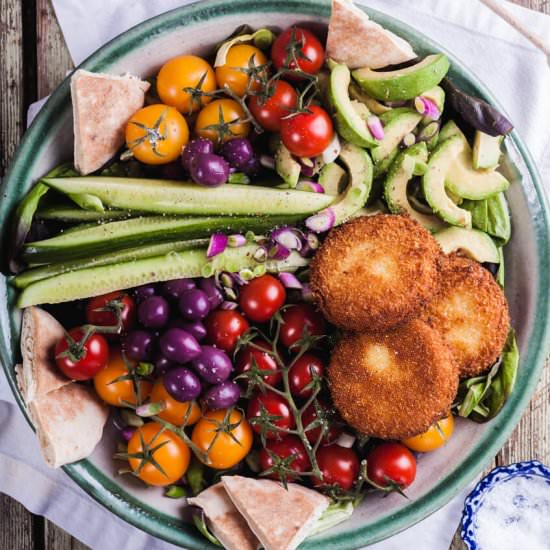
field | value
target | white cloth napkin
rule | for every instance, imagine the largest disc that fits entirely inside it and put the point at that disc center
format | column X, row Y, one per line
column 505, row 61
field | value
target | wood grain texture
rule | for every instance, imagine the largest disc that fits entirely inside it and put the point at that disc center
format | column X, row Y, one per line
column 16, row 526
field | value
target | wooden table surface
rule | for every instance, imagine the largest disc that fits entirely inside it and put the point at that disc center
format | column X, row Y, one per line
column 33, row 60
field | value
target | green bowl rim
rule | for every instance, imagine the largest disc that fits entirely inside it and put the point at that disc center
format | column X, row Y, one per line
column 159, row 524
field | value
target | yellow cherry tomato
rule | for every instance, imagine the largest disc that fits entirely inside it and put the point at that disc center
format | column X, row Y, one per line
column 169, row 451
column 179, row 76
column 434, row 437
column 221, row 121
column 157, row 134
column 122, row 392
column 236, row 73
column 231, row 445
column 176, row 411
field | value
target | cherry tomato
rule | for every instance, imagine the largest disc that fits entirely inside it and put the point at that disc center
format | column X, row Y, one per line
column 309, row 53
column 301, row 374
column 307, row 134
column 224, row 328
column 269, row 111
column 122, row 392
column 156, row 134
column 222, row 120
column 168, row 450
column 391, row 463
column 289, row 445
column 274, row 405
column 310, row 414
column 264, row 361
column 232, row 74
column 434, row 437
column 80, row 355
column 186, row 71
column 225, row 447
column 102, row 310
column 175, row 412
column 339, row 466
column 261, row 298
column 298, row 317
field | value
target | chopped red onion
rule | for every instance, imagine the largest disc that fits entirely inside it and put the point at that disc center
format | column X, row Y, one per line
column 310, row 245
column 330, row 154
column 306, row 169
column 217, row 244
column 290, row 280
column 308, row 185
column 287, row 237
column 260, row 255
column 267, row 161
column 227, row 305
column 395, row 104
column 321, row 222
column 425, row 106
column 279, row 252
column 375, row 126
column 230, row 293
column 234, row 241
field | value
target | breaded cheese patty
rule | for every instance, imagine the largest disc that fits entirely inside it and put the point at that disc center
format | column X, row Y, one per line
column 471, row 312
column 375, row 272
column 393, row 385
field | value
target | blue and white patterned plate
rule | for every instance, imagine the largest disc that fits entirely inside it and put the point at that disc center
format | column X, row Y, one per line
column 475, row 500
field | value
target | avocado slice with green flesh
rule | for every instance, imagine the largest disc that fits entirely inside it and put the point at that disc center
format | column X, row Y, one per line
column 395, row 186
column 473, row 243
column 437, row 95
column 332, row 178
column 486, row 151
column 451, row 129
column 374, row 106
column 397, row 124
column 285, row 165
column 403, row 83
column 351, row 126
column 433, row 183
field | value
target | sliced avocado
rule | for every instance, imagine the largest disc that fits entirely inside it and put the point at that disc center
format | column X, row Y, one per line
column 395, row 186
column 380, row 168
column 403, row 83
column 486, row 151
column 361, row 110
column 351, row 126
column 451, row 129
column 288, row 168
column 433, row 183
column 437, row 95
column 473, row 243
column 397, row 124
column 374, row 106
column 332, row 178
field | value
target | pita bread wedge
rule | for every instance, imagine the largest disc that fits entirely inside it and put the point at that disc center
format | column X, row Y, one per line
column 102, row 105
column 355, row 40
column 224, row 520
column 69, row 423
column 280, row 518
column 38, row 375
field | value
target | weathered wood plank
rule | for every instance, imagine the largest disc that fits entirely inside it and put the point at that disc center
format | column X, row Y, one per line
column 57, row 539
column 16, row 525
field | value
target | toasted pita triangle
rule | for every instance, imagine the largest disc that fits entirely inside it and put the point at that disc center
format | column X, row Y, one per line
column 225, row 521
column 280, row 518
column 102, row 106
column 355, row 40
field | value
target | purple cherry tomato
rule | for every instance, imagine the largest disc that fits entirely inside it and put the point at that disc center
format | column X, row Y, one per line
column 213, row 365
column 153, row 312
column 194, row 304
column 144, row 291
column 238, row 152
column 195, row 147
column 162, row 365
column 196, row 328
column 252, row 167
column 178, row 345
column 173, row 289
column 214, row 294
column 138, row 345
column 182, row 384
column 222, row 396
column 209, row 169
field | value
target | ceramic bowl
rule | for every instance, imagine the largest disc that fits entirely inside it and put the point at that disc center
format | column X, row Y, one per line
column 194, row 29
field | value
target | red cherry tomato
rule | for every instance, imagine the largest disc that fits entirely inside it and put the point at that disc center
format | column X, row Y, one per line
column 81, row 358
column 307, row 134
column 274, row 405
column 391, row 463
column 301, row 374
column 298, row 317
column 310, row 414
column 338, row 465
column 268, row 112
column 309, row 53
column 264, row 361
column 224, row 328
column 289, row 445
column 261, row 298
column 101, row 310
